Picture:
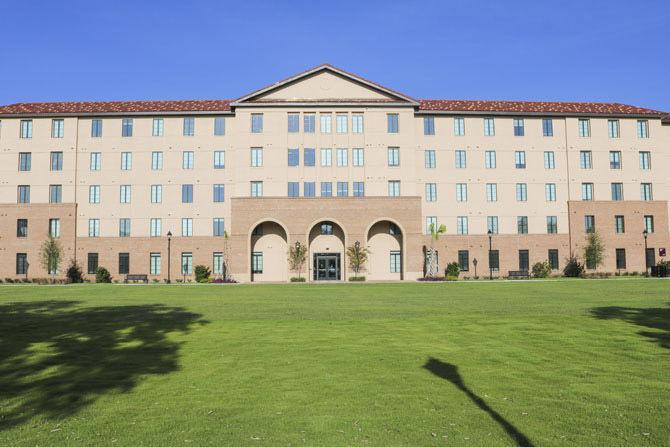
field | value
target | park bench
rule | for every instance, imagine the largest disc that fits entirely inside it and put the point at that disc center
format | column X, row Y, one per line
column 518, row 274
column 135, row 277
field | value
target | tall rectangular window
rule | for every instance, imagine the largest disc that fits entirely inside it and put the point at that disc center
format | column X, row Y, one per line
column 461, row 159
column 21, row 227
column 459, row 126
column 522, row 224
column 21, row 263
column 584, row 127
column 155, row 227
column 187, row 193
column 394, row 261
column 552, row 224
column 429, row 125
column 57, row 128
column 124, row 263
column 23, row 194
column 587, row 191
column 96, row 128
column 257, row 262
column 585, row 160
column 219, row 159
column 357, row 123
column 293, row 189
column 392, row 125
column 326, row 121
column 431, row 192
column 615, row 159
column 357, row 157
column 342, row 157
column 429, row 158
column 461, row 192
column 187, row 159
column 293, row 122
column 617, row 191
column 187, row 227
column 620, row 258
column 309, row 189
column 645, row 191
column 491, row 192
column 550, row 192
column 156, row 161
column 642, row 128
column 649, row 224
column 309, row 122
column 494, row 260
column 519, row 130
column 94, row 194
column 93, row 227
column 393, row 156
column 490, row 159
column 189, row 126
column 256, row 188
column 25, row 159
column 256, row 123
column 187, row 263
column 342, row 189
column 293, row 157
column 552, row 255
column 126, row 161
column 589, row 223
column 154, row 264
column 124, row 193
column 56, row 161
column 54, row 227
column 547, row 127
column 524, row 263
column 645, row 160
column 520, row 159
column 157, row 127
column 431, row 224
column 464, row 260
column 127, row 127
column 26, row 129
column 217, row 263
column 342, row 123
column 326, row 189
column 359, row 189
column 394, row 188
column 549, row 160
column 489, row 127
column 92, row 263
column 326, row 157
column 462, row 225
column 613, row 128
column 619, row 224
column 95, row 161
column 309, row 157
column 219, row 126
column 219, row 193
column 256, row 157
column 492, row 224
column 521, row 192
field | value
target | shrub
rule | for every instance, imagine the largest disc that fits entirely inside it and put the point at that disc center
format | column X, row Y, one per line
column 432, row 278
column 541, row 269
column 202, row 273
column 573, row 268
column 297, row 279
column 357, row 278
column 224, row 281
column 102, row 275
column 74, row 274
column 453, row 269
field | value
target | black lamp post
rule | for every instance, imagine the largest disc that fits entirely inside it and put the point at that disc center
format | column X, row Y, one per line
column 169, row 236
column 490, row 233
column 474, row 262
column 645, row 233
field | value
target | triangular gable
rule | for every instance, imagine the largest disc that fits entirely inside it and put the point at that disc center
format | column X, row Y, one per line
column 324, row 84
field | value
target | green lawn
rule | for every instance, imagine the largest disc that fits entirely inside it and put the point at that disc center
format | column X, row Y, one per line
column 491, row 364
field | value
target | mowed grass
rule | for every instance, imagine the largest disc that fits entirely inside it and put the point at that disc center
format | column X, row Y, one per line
column 473, row 364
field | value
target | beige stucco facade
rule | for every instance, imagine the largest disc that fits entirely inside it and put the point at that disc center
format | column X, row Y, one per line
column 372, row 217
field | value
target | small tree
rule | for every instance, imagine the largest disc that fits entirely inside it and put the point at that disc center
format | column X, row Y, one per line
column 202, row 273
column 51, row 254
column 74, row 274
column 102, row 275
column 297, row 256
column 432, row 266
column 593, row 252
column 573, row 268
column 541, row 269
column 226, row 255
column 453, row 270
column 358, row 256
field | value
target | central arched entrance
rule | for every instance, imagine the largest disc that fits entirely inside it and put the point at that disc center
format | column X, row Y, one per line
column 269, row 247
column 385, row 242
column 326, row 251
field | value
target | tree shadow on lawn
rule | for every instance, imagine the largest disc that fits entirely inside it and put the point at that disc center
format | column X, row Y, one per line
column 81, row 354
column 450, row 373
column 656, row 318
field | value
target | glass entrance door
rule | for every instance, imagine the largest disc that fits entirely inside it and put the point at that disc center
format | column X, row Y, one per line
column 326, row 266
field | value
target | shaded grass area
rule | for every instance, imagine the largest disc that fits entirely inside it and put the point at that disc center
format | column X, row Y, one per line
column 555, row 363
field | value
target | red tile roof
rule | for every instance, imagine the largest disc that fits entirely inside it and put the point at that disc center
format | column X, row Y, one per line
column 39, row 108
column 666, row 119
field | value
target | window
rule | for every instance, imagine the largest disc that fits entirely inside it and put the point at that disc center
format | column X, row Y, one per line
column 54, row 227
column 326, row 157
column 187, row 227
column 464, row 260
column 256, row 157
column 219, row 126
column 645, row 160
column 309, row 122
column 342, row 123
column 393, row 156
column 394, row 188
column 461, row 160
column 187, row 159
column 589, row 223
column 56, row 161
column 23, row 195
column 459, row 126
column 327, row 228
column 126, row 161
column 619, row 224
column 21, row 263
column 489, row 127
column 293, row 157
column 155, row 264
column 93, row 227
column 492, row 224
column 620, row 258
column 549, row 160
column 552, row 255
column 429, row 158
column 394, row 261
column 520, row 159
column 124, row 227
column 523, row 260
column 617, row 191
column 461, row 192
column 584, row 125
column 187, row 193
column 156, row 161
column 326, row 121
column 155, row 225
column 157, row 127
column 309, row 189
column 550, row 192
column 462, row 225
column 392, row 123
column 326, row 189
column 645, row 191
column 309, row 157
column 642, row 128
column 219, row 159
column 219, row 193
column 357, row 123
column 494, row 260
column 491, row 192
column 394, row 230
column 257, row 262
column 189, row 126
column 95, row 161
column 127, row 127
column 124, row 263
column 615, row 159
column 21, row 227
column 357, row 157
column 648, row 224
column 25, row 161
column 124, row 192
column 518, row 127
column 217, row 263
column 293, row 122
column 490, row 159
column 94, row 194
column 547, row 127
column 522, row 224
column 431, row 222
column 187, row 263
column 92, row 263
column 218, row 226
column 552, row 225
column 342, row 157
column 256, row 123
column 96, row 128
column 359, row 189
column 585, row 160
column 26, row 129
column 342, row 189
column 256, row 189
column 587, row 191
column 428, row 125
column 521, row 192
column 613, row 128
column 57, row 128
column 431, row 192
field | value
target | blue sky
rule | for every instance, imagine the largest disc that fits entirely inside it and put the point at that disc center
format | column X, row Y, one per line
column 536, row 50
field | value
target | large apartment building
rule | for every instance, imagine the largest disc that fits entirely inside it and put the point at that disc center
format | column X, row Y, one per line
column 328, row 159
